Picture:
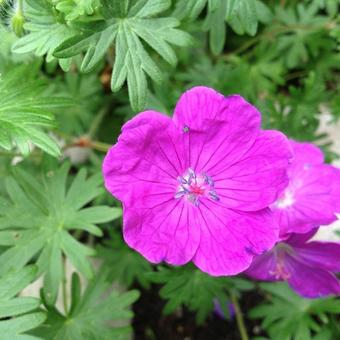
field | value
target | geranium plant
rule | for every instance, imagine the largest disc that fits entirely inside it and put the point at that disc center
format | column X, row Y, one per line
column 169, row 169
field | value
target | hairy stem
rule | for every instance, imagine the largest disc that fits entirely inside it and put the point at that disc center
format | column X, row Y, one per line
column 239, row 317
column 20, row 7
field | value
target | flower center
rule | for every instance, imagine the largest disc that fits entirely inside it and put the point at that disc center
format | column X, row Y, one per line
column 286, row 200
column 194, row 187
column 280, row 272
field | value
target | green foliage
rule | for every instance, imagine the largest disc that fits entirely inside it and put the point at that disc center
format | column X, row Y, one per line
column 123, row 264
column 46, row 31
column 298, row 115
column 24, row 110
column 60, row 62
column 288, row 316
column 73, row 9
column 38, row 218
column 90, row 313
column 194, row 289
column 242, row 15
column 127, row 29
column 86, row 95
column 21, row 309
column 300, row 37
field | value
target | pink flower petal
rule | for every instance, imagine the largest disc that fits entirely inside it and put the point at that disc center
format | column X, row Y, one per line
column 170, row 176
column 336, row 189
column 168, row 232
column 254, row 182
column 306, row 153
column 300, row 239
column 263, row 267
column 311, row 281
column 312, row 200
column 220, row 129
column 325, row 255
column 146, row 160
column 230, row 239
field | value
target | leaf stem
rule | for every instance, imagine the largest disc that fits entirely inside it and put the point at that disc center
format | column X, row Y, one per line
column 64, row 282
column 239, row 317
column 96, row 122
column 103, row 147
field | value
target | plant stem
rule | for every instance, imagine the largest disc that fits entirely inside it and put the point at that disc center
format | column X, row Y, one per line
column 64, row 282
column 239, row 317
column 20, row 7
column 96, row 122
column 103, row 147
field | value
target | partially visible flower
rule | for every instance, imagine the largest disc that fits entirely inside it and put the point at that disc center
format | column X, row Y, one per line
column 308, row 267
column 312, row 197
column 197, row 187
column 219, row 311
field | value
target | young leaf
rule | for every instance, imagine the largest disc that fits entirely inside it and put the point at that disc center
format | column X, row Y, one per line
column 42, row 216
column 46, row 30
column 73, row 9
column 89, row 315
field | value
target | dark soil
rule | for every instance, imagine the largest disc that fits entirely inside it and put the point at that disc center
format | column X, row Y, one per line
column 150, row 324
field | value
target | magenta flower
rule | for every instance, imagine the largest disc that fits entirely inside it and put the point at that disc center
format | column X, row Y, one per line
column 197, row 187
column 312, row 196
column 308, row 267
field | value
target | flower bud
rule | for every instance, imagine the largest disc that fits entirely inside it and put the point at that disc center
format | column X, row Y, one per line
column 17, row 24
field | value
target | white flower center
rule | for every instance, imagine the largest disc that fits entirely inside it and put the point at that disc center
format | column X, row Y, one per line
column 286, row 200
column 194, row 186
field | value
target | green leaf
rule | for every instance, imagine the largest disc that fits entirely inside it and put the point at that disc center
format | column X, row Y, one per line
column 193, row 288
column 42, row 214
column 123, row 264
column 13, row 328
column 73, row 9
column 244, row 11
column 45, row 29
column 242, row 15
column 215, row 24
column 10, row 306
column 132, row 61
column 289, row 316
column 24, row 110
column 306, row 38
column 89, row 315
column 189, row 9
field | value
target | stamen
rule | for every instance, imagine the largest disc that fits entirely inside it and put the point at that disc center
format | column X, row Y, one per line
column 213, row 195
column 194, row 187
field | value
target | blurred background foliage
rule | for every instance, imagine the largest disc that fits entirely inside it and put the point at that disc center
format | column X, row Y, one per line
column 72, row 72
